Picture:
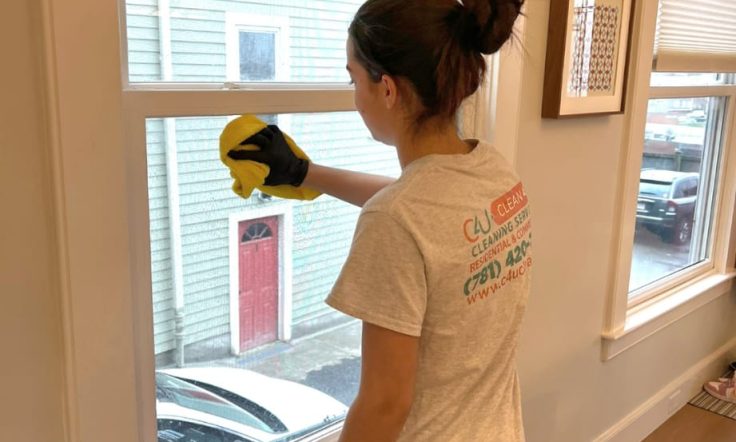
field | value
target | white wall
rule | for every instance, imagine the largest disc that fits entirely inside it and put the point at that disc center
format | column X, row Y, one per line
column 572, row 170
column 30, row 326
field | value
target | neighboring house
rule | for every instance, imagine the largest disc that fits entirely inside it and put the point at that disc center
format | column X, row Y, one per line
column 256, row 270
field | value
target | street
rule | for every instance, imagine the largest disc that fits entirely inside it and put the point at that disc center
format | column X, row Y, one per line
column 654, row 259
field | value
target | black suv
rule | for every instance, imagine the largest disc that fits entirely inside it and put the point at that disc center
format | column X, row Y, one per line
column 666, row 203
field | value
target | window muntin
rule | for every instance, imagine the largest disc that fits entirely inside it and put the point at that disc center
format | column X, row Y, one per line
column 675, row 204
column 193, row 42
column 255, row 232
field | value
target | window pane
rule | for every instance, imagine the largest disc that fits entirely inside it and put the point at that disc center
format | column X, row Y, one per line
column 219, row 41
column 233, row 278
column 257, row 56
column 676, row 187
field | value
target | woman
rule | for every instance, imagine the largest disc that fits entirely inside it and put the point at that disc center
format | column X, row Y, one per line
column 440, row 263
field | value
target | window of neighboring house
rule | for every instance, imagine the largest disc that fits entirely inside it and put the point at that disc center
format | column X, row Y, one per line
column 262, row 47
column 680, row 199
column 257, row 47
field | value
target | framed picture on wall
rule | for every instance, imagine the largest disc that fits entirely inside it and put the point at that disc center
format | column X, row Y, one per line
column 587, row 53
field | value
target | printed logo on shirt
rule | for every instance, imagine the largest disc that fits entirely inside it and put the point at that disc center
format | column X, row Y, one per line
column 509, row 204
column 500, row 240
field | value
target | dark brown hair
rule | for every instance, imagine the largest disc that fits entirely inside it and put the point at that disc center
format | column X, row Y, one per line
column 436, row 45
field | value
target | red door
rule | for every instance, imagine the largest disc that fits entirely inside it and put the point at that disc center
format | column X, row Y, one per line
column 259, row 282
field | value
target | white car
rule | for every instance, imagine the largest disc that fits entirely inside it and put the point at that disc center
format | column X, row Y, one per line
column 221, row 404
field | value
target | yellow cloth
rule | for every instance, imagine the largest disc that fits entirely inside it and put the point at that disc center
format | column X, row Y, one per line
column 249, row 175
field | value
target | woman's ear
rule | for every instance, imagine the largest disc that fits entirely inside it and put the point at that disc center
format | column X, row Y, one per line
column 389, row 91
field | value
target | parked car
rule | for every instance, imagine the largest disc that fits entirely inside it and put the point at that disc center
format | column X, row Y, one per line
column 221, row 404
column 666, row 203
column 697, row 115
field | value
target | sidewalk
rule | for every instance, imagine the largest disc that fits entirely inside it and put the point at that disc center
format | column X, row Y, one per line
column 328, row 360
column 295, row 360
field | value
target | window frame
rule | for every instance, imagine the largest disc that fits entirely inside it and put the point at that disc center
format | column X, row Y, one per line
column 674, row 297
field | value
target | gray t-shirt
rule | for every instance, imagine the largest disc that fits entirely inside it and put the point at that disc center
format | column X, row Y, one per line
column 444, row 253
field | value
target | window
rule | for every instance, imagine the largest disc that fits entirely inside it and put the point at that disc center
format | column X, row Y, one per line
column 255, row 232
column 257, row 47
column 166, row 185
column 676, row 241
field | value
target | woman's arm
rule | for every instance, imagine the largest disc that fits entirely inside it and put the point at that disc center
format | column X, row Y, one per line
column 386, row 393
column 285, row 168
column 352, row 187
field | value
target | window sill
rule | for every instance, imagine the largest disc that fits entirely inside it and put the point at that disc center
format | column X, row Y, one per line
column 642, row 322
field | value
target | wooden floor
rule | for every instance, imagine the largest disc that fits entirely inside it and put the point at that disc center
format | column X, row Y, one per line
column 693, row 424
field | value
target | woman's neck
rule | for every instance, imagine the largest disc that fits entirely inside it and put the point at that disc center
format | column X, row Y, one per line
column 433, row 138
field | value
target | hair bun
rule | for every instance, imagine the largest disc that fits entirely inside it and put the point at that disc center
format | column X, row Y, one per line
column 466, row 27
column 487, row 24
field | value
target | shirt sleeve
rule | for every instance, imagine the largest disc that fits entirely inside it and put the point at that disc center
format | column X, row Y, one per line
column 383, row 281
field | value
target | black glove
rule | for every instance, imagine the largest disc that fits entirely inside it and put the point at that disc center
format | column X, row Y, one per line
column 286, row 168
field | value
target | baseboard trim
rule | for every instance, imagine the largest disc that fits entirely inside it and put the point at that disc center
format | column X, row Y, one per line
column 656, row 410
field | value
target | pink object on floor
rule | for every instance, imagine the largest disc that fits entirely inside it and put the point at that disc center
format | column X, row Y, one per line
column 723, row 389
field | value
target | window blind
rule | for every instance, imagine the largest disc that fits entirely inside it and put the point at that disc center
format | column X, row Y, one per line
column 696, row 36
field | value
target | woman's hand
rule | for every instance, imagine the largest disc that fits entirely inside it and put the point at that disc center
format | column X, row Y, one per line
column 285, row 167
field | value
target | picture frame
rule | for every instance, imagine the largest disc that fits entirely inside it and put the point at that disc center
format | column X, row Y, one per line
column 588, row 44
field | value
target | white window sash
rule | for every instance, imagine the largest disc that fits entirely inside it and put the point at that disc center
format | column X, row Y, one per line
column 163, row 102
